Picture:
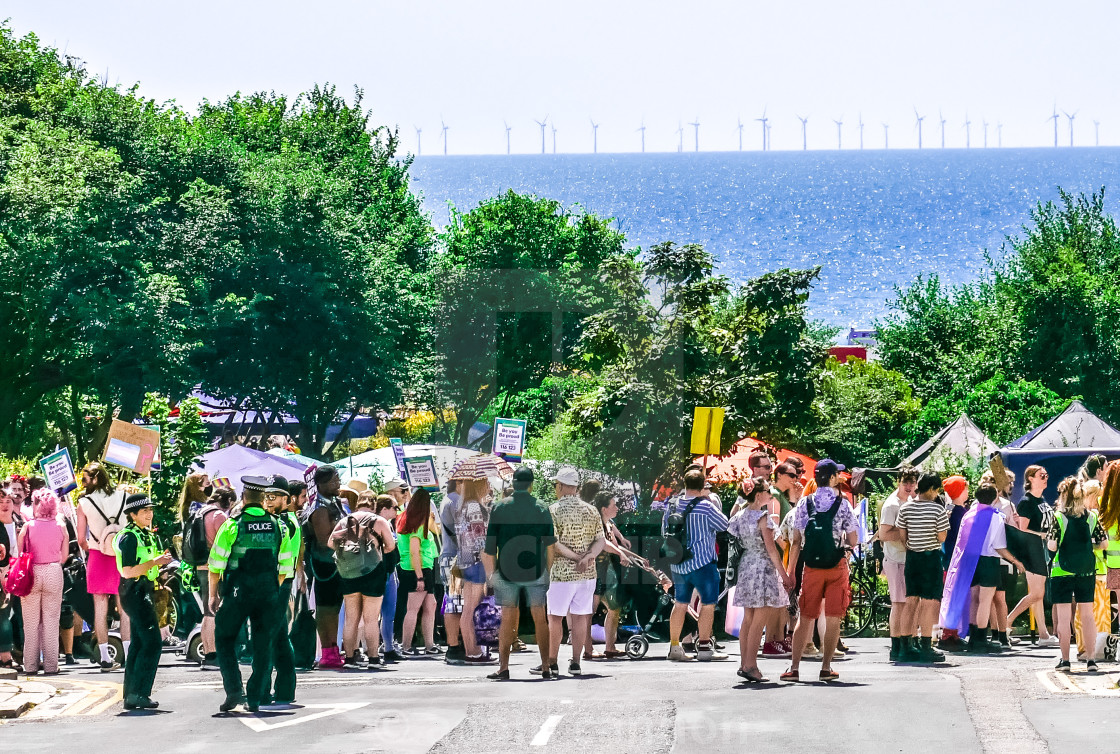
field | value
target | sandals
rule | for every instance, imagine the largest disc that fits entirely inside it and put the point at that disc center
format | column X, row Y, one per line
column 791, row 676
column 612, row 654
column 829, row 675
column 751, row 677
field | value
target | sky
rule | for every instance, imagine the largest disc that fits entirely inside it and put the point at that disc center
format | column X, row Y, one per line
column 481, row 64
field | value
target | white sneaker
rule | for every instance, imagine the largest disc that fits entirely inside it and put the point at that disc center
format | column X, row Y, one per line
column 1049, row 641
column 706, row 652
column 677, row 654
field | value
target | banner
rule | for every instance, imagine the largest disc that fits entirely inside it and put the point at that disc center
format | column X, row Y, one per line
column 397, row 444
column 312, row 490
column 707, row 424
column 509, row 439
column 421, row 472
column 58, row 470
column 131, row 446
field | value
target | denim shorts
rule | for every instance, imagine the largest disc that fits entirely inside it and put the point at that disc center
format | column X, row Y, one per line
column 704, row 580
column 475, row 574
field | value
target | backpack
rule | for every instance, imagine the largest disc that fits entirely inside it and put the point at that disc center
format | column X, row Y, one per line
column 195, row 549
column 1075, row 560
column 674, row 545
column 820, row 549
column 359, row 552
column 112, row 528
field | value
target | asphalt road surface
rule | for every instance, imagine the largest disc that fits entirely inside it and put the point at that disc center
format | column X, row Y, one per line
column 969, row 704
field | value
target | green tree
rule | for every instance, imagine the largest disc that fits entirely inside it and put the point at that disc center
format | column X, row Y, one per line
column 182, row 439
column 861, row 408
column 514, row 281
column 673, row 336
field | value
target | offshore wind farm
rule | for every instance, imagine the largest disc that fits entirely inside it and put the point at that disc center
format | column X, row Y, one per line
column 792, row 125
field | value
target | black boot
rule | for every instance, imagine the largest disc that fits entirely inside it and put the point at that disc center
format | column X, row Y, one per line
column 896, row 647
column 926, row 652
column 907, row 651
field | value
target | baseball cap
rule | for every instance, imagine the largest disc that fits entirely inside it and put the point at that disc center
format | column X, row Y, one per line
column 567, row 476
column 395, row 483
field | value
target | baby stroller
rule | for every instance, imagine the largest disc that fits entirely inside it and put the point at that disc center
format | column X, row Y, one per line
column 636, row 632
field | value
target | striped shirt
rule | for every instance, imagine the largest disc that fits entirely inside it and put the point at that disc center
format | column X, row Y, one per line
column 704, row 522
column 923, row 520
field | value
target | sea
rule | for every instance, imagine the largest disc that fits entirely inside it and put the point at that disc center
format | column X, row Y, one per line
column 873, row 220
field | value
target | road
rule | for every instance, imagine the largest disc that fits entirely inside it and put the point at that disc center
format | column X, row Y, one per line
column 969, row 704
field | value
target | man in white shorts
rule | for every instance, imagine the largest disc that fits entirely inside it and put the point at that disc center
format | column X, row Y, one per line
column 894, row 554
column 571, row 593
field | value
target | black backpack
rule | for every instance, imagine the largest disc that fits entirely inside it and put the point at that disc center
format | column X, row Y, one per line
column 820, row 549
column 196, row 551
column 674, row 545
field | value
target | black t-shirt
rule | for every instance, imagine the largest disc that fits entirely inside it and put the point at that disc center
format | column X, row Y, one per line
column 1038, row 512
column 519, row 535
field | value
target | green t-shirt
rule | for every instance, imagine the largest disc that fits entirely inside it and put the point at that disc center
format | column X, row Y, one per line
column 428, row 550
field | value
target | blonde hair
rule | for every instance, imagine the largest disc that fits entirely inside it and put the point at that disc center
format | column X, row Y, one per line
column 366, row 499
column 1110, row 497
column 1071, row 497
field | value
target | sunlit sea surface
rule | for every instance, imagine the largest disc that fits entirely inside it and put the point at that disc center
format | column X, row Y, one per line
column 872, row 219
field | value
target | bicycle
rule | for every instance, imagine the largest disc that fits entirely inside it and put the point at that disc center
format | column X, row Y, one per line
column 869, row 608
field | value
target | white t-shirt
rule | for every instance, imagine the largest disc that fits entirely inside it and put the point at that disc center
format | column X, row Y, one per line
column 997, row 537
column 893, row 551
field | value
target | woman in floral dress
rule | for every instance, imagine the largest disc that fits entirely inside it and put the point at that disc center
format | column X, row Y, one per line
column 762, row 585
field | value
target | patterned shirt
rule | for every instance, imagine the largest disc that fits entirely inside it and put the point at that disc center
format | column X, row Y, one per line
column 923, row 520
column 578, row 525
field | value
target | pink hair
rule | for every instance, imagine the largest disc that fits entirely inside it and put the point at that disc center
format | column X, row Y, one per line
column 44, row 503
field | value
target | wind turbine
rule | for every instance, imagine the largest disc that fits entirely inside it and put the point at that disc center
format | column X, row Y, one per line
column 886, row 136
column 542, row 124
column 919, row 119
column 999, row 135
column 418, row 129
column 967, row 131
column 985, row 122
column 642, row 128
column 804, row 138
column 444, row 125
column 839, row 132
column 739, row 119
column 1097, row 132
column 508, row 129
column 861, row 130
column 554, row 138
column 680, row 133
column 1071, row 117
column 763, row 120
column 943, row 122
column 594, row 136
column 1054, row 118
column 696, row 131
column 769, row 128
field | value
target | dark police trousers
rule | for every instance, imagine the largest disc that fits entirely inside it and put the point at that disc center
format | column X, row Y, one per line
column 253, row 599
column 283, row 656
column 147, row 642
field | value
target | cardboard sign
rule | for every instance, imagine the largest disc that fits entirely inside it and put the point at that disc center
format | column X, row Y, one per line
column 707, row 424
column 309, row 480
column 999, row 472
column 421, row 472
column 509, row 439
column 131, row 446
column 157, row 462
column 397, row 444
column 58, row 470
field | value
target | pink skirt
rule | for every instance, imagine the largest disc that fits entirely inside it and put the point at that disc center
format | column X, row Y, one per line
column 102, row 576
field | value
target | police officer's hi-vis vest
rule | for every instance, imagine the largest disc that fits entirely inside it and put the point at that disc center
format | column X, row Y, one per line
column 256, row 550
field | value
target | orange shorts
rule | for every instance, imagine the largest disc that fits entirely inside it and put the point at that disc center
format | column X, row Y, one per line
column 827, row 585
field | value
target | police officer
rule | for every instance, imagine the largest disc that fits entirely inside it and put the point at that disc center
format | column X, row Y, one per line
column 245, row 562
column 139, row 557
column 283, row 656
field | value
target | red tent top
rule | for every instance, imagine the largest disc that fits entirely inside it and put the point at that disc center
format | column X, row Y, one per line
column 733, row 467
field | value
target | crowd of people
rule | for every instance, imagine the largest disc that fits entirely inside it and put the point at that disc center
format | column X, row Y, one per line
column 375, row 572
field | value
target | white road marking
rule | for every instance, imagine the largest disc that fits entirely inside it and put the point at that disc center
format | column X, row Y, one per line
column 546, row 731
column 259, row 725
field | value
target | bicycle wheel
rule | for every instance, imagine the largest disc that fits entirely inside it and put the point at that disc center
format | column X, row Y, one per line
column 861, row 609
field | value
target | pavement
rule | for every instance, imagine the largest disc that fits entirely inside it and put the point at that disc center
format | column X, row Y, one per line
column 968, row 704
